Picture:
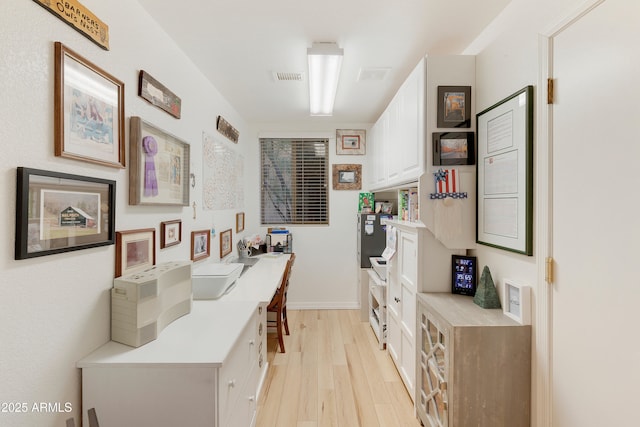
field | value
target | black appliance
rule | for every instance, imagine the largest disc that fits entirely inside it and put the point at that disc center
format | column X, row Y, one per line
column 372, row 237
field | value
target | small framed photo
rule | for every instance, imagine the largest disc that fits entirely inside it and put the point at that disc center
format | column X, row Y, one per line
column 454, row 107
column 58, row 212
column 200, row 245
column 89, row 111
column 454, row 148
column 135, row 250
column 347, row 177
column 239, row 222
column 159, row 166
column 170, row 233
column 225, row 243
column 351, row 141
column 517, row 302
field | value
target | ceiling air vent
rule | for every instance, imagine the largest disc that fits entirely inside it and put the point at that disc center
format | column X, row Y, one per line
column 280, row 76
column 368, row 74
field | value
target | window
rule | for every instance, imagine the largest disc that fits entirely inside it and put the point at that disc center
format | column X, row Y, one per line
column 294, row 181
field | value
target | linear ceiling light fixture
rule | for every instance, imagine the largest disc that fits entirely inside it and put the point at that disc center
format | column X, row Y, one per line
column 325, row 60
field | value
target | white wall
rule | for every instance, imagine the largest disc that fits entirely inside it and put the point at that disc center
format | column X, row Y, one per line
column 54, row 310
column 508, row 60
column 325, row 273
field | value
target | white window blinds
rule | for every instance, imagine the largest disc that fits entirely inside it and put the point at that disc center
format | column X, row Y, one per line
column 294, row 179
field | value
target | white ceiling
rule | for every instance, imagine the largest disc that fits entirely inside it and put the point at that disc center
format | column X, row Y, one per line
column 239, row 44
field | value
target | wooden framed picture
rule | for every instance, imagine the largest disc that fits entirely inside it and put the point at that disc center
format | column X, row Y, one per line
column 159, row 169
column 135, row 250
column 170, row 233
column 157, row 94
column 351, row 141
column 517, row 302
column 58, row 212
column 454, row 148
column 347, row 177
column 226, row 243
column 88, row 111
column 200, row 245
column 454, row 107
column 239, row 222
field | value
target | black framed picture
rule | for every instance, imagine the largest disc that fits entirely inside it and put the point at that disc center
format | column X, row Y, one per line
column 454, row 107
column 454, row 148
column 58, row 212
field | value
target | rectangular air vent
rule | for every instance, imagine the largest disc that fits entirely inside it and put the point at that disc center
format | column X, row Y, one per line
column 281, row 76
column 373, row 73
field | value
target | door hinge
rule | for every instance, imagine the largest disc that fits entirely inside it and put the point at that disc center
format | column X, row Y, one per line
column 548, row 271
column 549, row 91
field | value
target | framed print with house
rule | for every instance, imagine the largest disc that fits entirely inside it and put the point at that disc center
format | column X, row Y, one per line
column 58, row 212
column 88, row 111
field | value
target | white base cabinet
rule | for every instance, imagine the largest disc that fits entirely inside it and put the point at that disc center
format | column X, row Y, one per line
column 474, row 365
column 202, row 371
column 420, row 264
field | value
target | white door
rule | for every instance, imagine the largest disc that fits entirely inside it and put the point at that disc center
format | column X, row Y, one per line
column 596, row 218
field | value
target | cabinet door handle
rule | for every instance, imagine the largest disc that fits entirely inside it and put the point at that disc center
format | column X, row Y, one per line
column 252, row 342
column 232, row 383
column 252, row 398
column 396, row 299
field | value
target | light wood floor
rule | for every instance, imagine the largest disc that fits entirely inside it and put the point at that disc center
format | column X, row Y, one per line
column 332, row 374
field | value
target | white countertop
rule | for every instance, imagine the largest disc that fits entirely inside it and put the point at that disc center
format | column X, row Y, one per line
column 203, row 337
column 206, row 335
column 260, row 282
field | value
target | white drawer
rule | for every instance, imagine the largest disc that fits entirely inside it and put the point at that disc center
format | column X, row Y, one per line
column 244, row 409
column 236, row 370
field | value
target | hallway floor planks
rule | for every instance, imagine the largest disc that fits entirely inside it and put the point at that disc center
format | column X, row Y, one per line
column 332, row 374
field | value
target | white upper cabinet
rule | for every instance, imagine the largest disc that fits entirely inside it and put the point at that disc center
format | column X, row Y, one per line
column 398, row 156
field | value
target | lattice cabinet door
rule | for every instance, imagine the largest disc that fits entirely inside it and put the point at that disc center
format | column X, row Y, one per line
column 432, row 391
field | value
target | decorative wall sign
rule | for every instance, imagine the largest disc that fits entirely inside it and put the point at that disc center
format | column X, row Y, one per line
column 347, row 177
column 80, row 18
column 225, row 128
column 157, row 94
column 504, row 211
column 351, row 141
column 159, row 170
column 58, row 212
column 135, row 250
column 454, row 106
column 88, row 111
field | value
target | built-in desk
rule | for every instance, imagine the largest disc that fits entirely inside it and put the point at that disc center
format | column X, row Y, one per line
column 201, row 371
